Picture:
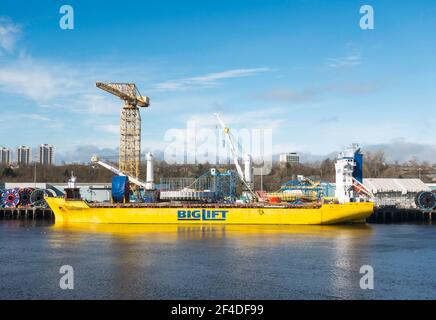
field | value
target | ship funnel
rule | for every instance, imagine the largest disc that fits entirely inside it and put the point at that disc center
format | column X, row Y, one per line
column 150, row 172
column 72, row 181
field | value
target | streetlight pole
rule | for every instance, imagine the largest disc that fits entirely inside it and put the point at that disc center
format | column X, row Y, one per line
column 34, row 174
column 261, row 180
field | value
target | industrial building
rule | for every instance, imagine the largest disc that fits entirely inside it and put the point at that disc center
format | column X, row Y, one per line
column 24, row 155
column 5, row 156
column 291, row 158
column 46, row 154
column 89, row 191
column 400, row 193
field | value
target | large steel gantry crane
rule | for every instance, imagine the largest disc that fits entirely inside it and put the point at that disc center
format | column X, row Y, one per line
column 130, row 124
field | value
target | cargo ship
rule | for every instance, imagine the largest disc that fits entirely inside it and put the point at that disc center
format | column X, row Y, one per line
column 351, row 204
column 72, row 211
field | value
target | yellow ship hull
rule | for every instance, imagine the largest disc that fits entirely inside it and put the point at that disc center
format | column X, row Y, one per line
column 67, row 211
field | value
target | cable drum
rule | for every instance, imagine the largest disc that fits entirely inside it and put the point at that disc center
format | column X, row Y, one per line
column 11, row 198
column 25, row 196
column 1, row 200
column 37, row 197
column 425, row 200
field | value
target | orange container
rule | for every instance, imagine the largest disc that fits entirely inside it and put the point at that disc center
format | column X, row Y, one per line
column 274, row 200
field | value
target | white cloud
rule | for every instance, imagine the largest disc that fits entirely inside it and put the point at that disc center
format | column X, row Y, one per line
column 290, row 95
column 95, row 104
column 268, row 118
column 153, row 145
column 34, row 116
column 109, row 128
column 35, row 80
column 208, row 80
column 346, row 61
column 100, row 141
column 50, row 84
column 9, row 33
column 56, row 88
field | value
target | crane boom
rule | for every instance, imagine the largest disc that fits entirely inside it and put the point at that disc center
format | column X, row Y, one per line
column 134, row 180
column 127, row 92
column 234, row 154
column 232, row 146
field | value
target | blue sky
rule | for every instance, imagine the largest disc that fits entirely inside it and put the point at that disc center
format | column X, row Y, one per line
column 302, row 68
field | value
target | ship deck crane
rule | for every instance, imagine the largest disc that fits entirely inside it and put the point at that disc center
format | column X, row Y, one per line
column 226, row 131
column 136, row 181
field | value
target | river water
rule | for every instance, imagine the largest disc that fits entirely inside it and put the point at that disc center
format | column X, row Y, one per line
column 216, row 262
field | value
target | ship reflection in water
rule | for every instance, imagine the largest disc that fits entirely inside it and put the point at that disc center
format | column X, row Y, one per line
column 208, row 262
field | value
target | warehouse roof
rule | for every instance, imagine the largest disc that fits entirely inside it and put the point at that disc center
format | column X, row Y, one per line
column 395, row 185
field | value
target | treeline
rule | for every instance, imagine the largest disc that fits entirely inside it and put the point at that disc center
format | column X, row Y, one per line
column 375, row 166
column 56, row 174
